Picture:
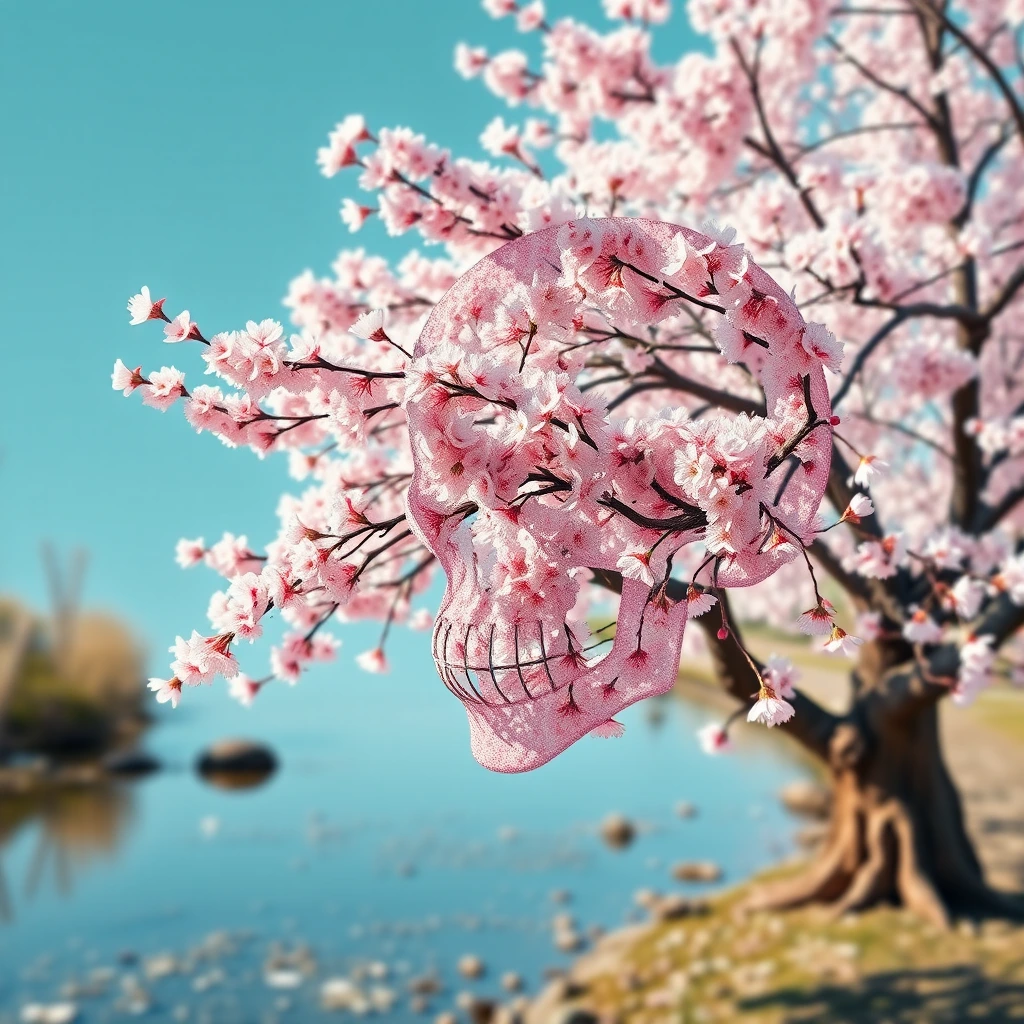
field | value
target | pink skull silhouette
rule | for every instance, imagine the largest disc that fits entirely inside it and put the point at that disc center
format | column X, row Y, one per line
column 525, row 483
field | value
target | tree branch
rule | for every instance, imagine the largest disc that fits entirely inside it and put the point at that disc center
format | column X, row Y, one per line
column 1000, row 622
column 771, row 148
column 723, row 399
column 902, row 93
column 981, row 56
column 976, row 176
column 1009, row 290
column 812, row 726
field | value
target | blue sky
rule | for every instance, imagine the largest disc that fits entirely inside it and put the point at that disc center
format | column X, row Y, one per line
column 174, row 145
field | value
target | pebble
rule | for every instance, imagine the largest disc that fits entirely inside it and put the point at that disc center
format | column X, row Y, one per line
column 646, row 898
column 568, row 941
column 811, row 799
column 471, row 967
column 130, row 763
column 343, row 994
column 512, row 981
column 204, row 982
column 162, row 965
column 51, row 1013
column 617, row 831
column 425, row 985
column 282, row 977
column 134, row 999
column 697, row 871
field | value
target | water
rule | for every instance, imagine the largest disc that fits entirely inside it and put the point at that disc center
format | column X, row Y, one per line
column 378, row 839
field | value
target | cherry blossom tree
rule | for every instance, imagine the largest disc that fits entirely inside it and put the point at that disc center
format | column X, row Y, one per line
column 813, row 418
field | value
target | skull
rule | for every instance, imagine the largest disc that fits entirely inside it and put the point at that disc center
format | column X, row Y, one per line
column 529, row 481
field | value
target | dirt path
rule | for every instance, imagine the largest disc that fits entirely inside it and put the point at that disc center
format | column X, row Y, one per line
column 985, row 750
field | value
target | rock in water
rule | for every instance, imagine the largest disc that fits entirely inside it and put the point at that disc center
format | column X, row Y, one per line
column 512, row 981
column 697, row 871
column 810, row 799
column 617, row 831
column 471, row 967
column 130, row 763
column 49, row 1013
column 236, row 764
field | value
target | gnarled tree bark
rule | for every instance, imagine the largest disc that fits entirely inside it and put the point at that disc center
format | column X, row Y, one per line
column 897, row 832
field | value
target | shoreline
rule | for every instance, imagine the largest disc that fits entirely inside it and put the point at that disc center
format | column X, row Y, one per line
column 651, row 972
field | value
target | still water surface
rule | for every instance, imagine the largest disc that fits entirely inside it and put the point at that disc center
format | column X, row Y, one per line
column 378, row 839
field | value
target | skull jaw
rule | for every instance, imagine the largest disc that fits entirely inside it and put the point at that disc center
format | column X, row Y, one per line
column 517, row 736
column 517, row 725
column 521, row 737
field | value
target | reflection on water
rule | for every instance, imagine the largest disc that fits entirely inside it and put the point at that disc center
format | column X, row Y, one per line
column 378, row 840
column 72, row 826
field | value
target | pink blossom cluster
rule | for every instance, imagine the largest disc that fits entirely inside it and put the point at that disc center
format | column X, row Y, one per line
column 625, row 398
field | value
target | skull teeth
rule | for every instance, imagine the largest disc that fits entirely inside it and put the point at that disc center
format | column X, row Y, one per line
column 495, row 683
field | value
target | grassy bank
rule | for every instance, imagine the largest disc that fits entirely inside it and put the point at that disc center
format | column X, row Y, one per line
column 728, row 965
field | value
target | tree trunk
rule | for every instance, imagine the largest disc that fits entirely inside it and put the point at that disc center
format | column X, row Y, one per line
column 897, row 831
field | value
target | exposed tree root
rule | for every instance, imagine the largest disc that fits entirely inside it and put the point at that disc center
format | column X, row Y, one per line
column 896, row 833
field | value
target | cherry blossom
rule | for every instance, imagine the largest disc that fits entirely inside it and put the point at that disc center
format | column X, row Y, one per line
column 967, row 595
column 561, row 393
column 870, row 466
column 142, row 307
column 713, row 738
column 781, row 673
column 244, row 689
column 166, row 690
column 125, row 380
column 817, row 620
column 880, row 559
column 975, row 674
column 189, row 552
column 353, row 215
column 859, row 507
column 181, row 328
column 869, row 626
column 770, row 709
column 698, row 601
column 163, row 388
column 840, row 640
column 373, row 660
column 921, row 628
column 610, row 730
